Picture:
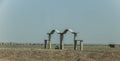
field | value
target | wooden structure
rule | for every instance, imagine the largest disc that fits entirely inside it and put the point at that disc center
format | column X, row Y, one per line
column 49, row 37
column 45, row 43
column 81, row 45
column 62, row 37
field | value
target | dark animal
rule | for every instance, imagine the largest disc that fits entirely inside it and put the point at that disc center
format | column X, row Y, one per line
column 57, row 47
column 112, row 45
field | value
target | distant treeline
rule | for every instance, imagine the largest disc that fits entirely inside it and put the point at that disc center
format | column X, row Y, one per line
column 41, row 44
column 11, row 43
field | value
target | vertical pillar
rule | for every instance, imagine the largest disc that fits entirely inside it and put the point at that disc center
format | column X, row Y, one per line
column 49, row 39
column 61, row 41
column 45, row 43
column 81, row 45
column 75, row 41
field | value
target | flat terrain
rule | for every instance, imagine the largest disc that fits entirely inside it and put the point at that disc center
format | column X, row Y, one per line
column 37, row 53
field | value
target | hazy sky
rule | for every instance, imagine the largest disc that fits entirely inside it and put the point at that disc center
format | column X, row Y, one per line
column 97, row 21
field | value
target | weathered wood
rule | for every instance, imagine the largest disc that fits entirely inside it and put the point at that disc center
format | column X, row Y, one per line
column 75, row 41
column 61, row 41
column 49, row 39
column 62, row 38
column 45, row 43
column 81, row 45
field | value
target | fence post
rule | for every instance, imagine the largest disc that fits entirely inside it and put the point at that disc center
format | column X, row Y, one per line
column 49, row 39
column 61, row 41
column 45, row 43
column 81, row 45
column 75, row 41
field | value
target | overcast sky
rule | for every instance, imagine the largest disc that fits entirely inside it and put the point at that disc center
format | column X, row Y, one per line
column 97, row 21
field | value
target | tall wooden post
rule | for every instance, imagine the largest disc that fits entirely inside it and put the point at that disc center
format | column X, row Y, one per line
column 49, row 39
column 75, row 41
column 45, row 43
column 81, row 45
column 61, row 41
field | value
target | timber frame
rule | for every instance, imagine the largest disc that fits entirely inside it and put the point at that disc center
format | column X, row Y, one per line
column 62, row 38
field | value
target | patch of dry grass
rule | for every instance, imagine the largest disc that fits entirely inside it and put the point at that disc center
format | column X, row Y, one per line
column 34, row 54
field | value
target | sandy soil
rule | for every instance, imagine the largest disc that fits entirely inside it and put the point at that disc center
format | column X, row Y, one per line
column 4, row 60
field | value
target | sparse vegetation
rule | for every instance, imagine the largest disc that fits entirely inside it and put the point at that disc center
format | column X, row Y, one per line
column 25, row 52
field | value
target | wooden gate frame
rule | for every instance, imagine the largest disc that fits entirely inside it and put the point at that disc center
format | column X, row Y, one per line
column 62, row 37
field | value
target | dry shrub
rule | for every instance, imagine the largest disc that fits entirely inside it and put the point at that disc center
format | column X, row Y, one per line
column 110, row 56
column 94, row 56
column 58, row 55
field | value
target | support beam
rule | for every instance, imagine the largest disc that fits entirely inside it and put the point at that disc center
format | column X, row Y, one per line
column 81, row 45
column 49, row 39
column 61, row 41
column 45, row 43
column 75, row 41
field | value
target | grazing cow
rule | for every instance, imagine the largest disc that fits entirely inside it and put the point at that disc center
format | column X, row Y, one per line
column 112, row 45
column 56, row 47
